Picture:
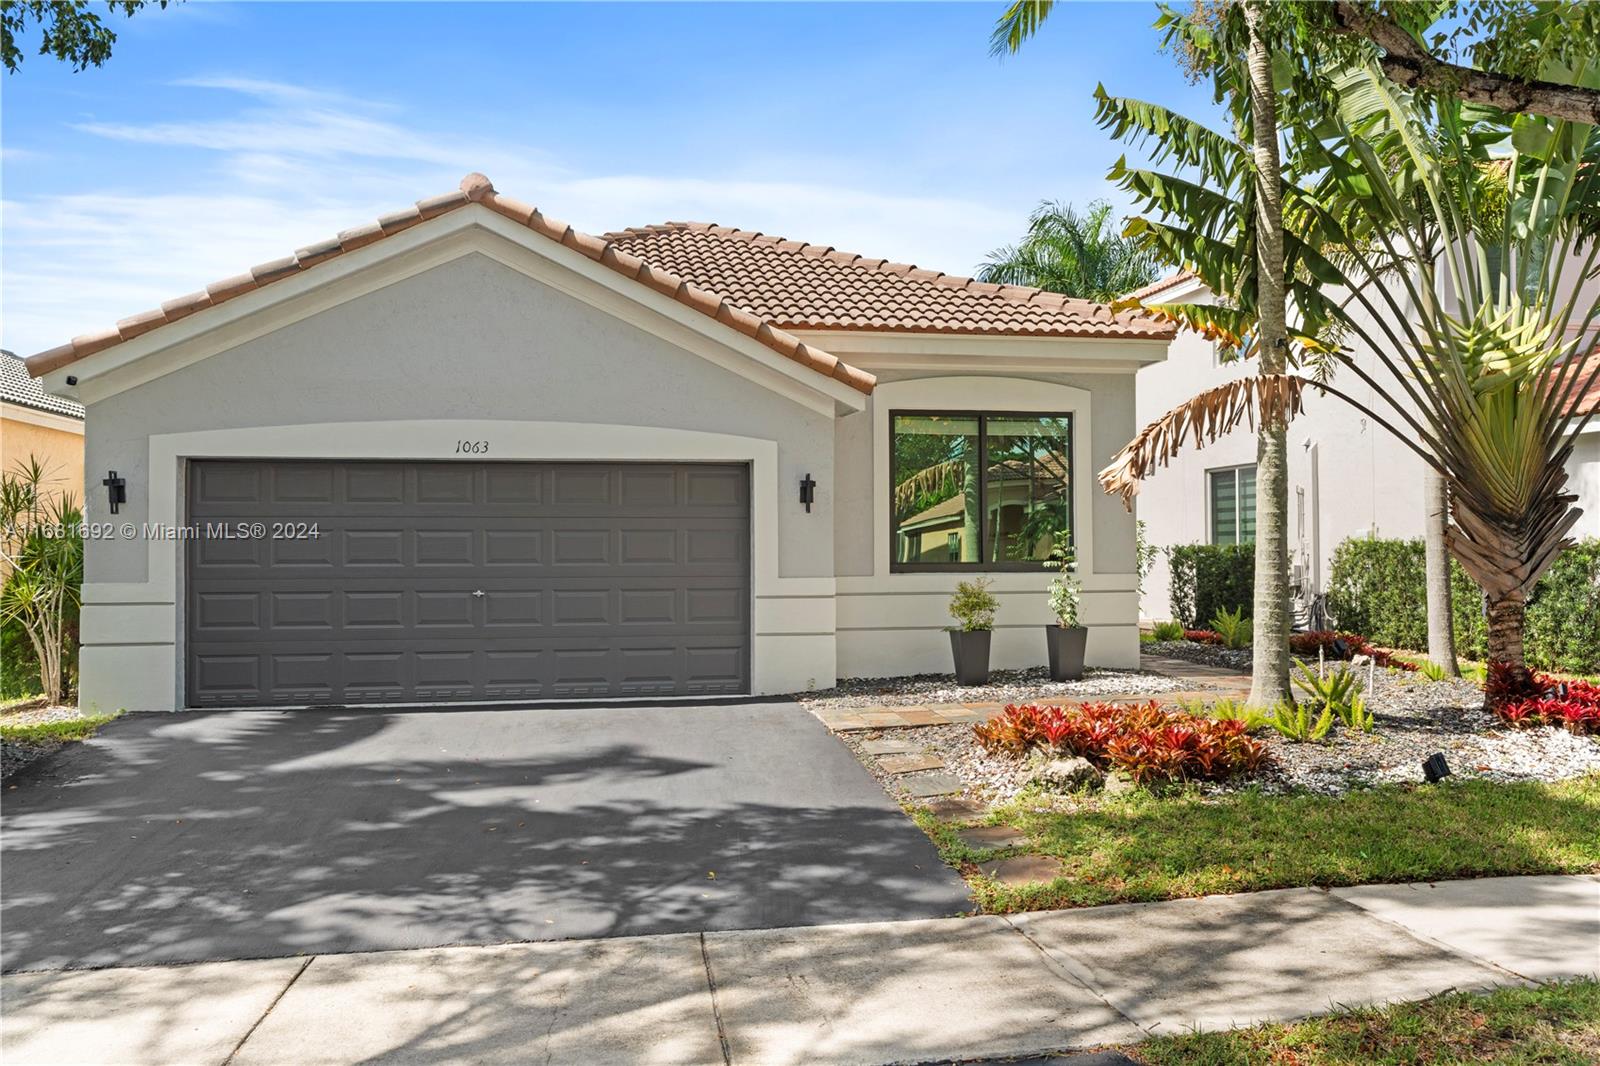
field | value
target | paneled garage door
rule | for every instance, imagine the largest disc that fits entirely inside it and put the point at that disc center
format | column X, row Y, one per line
column 428, row 581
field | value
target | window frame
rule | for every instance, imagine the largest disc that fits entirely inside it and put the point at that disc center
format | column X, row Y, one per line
column 1211, row 504
column 982, row 417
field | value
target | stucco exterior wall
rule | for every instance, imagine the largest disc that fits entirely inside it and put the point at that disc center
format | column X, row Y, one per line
column 893, row 623
column 25, row 432
column 1348, row 477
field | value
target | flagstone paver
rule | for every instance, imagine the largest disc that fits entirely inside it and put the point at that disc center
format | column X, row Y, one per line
column 993, row 836
column 934, row 785
column 1024, row 869
column 888, row 747
column 906, row 764
column 956, row 809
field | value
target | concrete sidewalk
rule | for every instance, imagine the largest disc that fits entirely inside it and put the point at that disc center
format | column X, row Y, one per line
column 913, row 991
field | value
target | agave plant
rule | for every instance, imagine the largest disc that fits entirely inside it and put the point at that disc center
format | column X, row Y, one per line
column 1462, row 243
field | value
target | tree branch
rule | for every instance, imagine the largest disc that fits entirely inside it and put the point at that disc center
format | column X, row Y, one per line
column 1407, row 63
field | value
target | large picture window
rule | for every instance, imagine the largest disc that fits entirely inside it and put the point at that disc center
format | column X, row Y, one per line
column 978, row 491
column 1233, row 505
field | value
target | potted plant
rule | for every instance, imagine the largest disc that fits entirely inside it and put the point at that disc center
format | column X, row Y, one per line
column 1065, row 640
column 973, row 607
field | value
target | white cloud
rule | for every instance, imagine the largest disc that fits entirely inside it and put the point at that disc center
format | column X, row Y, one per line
column 272, row 178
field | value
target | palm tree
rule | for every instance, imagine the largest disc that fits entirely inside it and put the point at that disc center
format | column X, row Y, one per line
column 1076, row 255
column 1478, row 304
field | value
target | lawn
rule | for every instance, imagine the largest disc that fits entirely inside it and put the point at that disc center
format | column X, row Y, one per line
column 1549, row 1025
column 1140, row 847
column 48, row 732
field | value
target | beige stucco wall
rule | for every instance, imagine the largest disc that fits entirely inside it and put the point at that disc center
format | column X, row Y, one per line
column 25, row 432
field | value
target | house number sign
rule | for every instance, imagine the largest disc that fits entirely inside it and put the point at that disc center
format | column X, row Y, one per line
column 472, row 447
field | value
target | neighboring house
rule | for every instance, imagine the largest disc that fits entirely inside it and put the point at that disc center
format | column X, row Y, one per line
column 539, row 463
column 36, row 425
column 1347, row 476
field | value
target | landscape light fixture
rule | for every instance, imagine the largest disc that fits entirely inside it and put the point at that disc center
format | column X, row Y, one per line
column 116, row 490
column 1435, row 769
column 808, row 492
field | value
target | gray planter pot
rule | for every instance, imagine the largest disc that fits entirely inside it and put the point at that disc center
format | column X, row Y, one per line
column 971, row 651
column 1066, row 651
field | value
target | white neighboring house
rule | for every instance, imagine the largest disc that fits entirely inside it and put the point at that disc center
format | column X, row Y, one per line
column 1347, row 477
column 467, row 453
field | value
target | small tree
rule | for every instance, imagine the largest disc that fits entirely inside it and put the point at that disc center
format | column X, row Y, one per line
column 41, row 563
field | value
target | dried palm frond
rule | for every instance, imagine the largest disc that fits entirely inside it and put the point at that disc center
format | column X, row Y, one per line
column 1202, row 418
column 929, row 479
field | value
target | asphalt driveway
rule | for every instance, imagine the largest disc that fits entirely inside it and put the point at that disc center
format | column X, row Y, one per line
column 246, row 834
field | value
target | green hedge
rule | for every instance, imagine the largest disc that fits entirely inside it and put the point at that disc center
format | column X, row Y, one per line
column 1207, row 578
column 1378, row 588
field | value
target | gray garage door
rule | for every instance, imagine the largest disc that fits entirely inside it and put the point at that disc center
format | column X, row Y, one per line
column 448, row 581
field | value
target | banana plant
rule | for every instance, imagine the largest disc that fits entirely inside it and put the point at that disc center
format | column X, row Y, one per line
column 1461, row 244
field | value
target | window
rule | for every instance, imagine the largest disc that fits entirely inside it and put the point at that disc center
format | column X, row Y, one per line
column 1233, row 504
column 978, row 491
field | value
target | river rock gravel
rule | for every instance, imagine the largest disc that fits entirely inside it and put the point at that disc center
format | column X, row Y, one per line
column 1005, row 686
column 1415, row 718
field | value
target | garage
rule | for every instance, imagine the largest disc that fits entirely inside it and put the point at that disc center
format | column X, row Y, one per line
column 361, row 582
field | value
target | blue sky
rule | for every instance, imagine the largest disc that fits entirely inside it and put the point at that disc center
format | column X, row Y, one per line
column 223, row 135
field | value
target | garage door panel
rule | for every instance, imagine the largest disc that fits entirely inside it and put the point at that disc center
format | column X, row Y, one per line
column 468, row 581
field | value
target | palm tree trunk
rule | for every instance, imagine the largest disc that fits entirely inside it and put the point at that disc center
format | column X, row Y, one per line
column 1441, row 609
column 1505, row 629
column 1269, row 680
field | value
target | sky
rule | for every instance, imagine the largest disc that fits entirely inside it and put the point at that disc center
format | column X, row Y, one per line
column 222, row 135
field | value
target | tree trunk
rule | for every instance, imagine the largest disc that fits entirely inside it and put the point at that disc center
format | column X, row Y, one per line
column 1441, row 609
column 1505, row 629
column 1269, row 680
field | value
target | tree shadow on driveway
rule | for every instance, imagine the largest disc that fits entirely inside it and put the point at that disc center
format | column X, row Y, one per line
column 246, row 834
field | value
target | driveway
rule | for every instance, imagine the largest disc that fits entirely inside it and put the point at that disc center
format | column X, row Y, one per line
column 246, row 834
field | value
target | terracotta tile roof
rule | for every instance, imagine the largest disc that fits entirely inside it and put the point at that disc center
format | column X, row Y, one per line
column 18, row 388
column 1588, row 400
column 1171, row 281
column 475, row 188
column 811, row 286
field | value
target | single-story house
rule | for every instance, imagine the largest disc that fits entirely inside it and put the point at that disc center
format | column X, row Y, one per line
column 468, row 453
column 38, row 427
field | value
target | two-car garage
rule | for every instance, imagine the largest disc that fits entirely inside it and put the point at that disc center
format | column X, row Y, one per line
column 357, row 582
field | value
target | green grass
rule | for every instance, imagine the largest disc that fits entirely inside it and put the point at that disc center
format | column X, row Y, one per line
column 1550, row 1024
column 50, row 732
column 1142, row 847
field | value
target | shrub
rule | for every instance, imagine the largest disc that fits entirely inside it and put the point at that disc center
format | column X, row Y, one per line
column 1066, row 593
column 1379, row 588
column 1207, row 578
column 1203, row 636
column 1293, row 721
column 1146, row 742
column 973, row 605
column 1168, row 631
column 1341, row 647
column 1233, row 627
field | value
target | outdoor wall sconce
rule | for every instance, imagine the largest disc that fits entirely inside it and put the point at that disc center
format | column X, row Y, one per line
column 1435, row 769
column 808, row 492
column 116, row 490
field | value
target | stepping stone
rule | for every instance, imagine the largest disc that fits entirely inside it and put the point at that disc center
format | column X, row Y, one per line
column 956, row 809
column 1023, row 870
column 934, row 785
column 992, row 836
column 905, row 764
column 888, row 747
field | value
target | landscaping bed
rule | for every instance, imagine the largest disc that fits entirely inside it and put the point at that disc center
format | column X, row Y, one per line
column 1558, row 1024
column 31, row 730
column 1005, row 686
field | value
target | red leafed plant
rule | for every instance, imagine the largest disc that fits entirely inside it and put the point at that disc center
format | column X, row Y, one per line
column 1343, row 646
column 1148, row 743
column 1203, row 636
column 1523, row 698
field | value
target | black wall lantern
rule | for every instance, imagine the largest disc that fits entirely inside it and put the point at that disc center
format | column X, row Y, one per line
column 116, row 490
column 808, row 492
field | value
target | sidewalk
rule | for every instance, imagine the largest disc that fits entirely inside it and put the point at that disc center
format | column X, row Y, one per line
column 893, row 992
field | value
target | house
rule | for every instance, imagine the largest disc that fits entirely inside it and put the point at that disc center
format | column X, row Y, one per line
column 1347, row 476
column 468, row 453
column 34, row 425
